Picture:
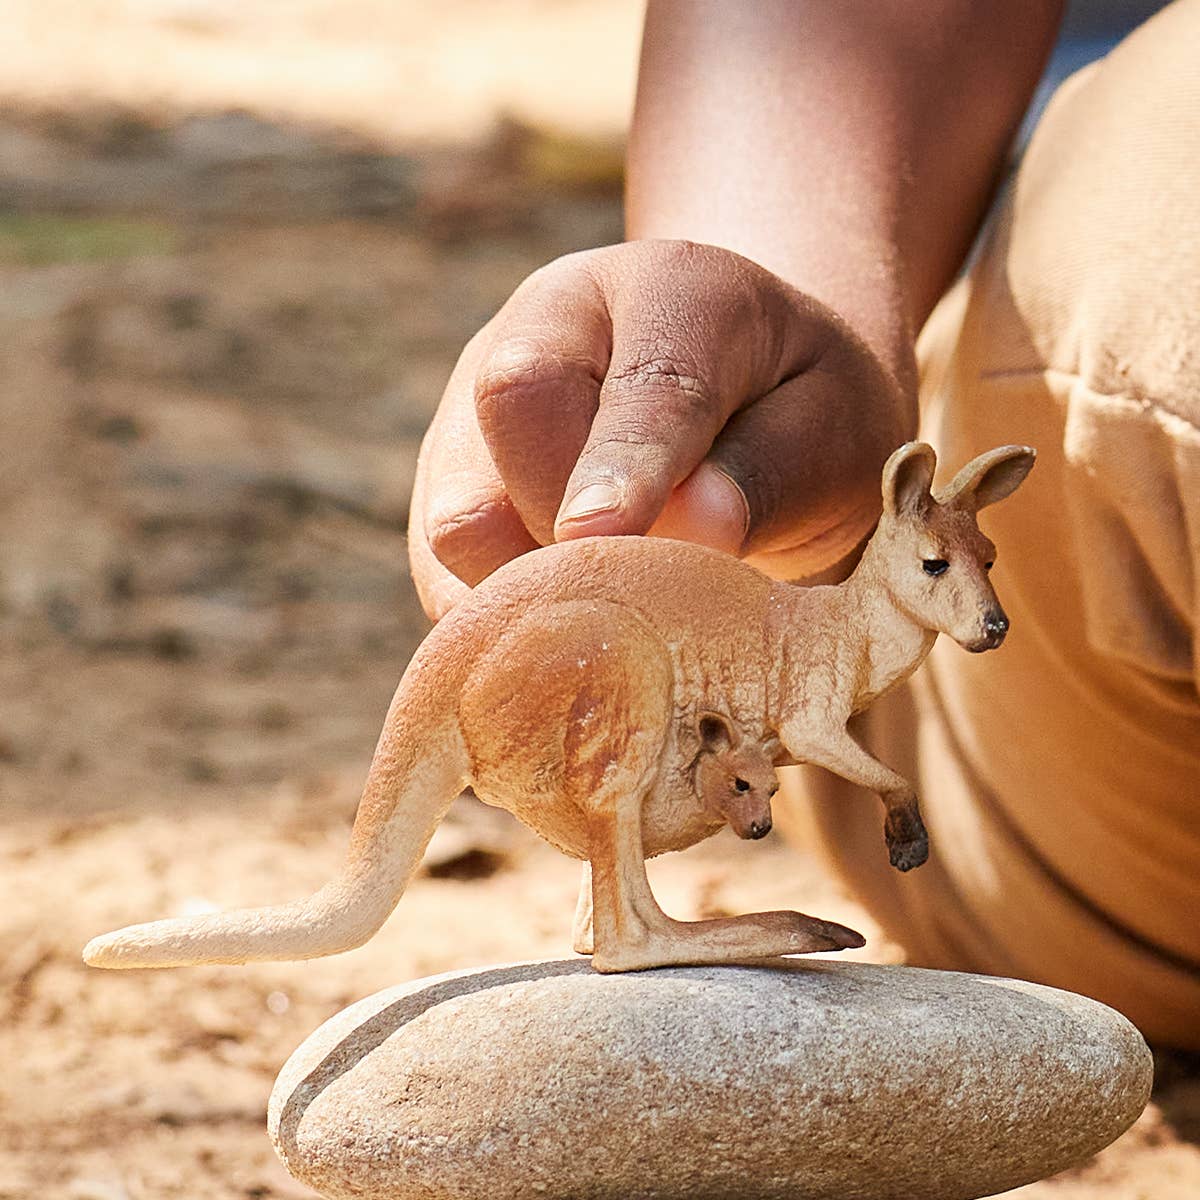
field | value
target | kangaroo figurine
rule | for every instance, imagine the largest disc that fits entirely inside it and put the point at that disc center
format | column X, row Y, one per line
column 571, row 688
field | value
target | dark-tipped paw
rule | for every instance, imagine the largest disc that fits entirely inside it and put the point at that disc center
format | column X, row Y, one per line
column 904, row 831
column 908, row 854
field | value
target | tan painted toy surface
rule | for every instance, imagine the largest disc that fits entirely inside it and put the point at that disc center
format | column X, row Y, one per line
column 610, row 692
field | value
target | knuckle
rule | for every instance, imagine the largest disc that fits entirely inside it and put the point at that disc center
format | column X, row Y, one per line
column 570, row 265
column 510, row 368
column 684, row 255
column 619, row 451
column 628, row 435
column 681, row 253
column 673, row 383
column 519, row 370
column 456, row 530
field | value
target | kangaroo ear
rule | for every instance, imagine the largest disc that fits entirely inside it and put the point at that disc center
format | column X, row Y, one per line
column 990, row 477
column 907, row 478
column 716, row 733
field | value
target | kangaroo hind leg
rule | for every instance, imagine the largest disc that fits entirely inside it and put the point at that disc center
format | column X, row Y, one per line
column 583, row 938
column 632, row 933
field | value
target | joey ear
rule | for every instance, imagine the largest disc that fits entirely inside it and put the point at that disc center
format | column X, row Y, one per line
column 907, row 478
column 716, row 733
column 990, row 477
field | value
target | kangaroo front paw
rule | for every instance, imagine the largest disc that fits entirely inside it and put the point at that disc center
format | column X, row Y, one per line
column 907, row 840
column 904, row 856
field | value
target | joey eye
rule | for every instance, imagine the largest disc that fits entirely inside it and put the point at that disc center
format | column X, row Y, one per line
column 987, row 566
column 935, row 566
column 742, row 785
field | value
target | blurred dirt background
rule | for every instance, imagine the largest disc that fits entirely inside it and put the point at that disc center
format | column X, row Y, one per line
column 240, row 248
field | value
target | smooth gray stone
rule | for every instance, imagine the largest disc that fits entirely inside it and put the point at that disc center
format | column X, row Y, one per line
column 801, row 1079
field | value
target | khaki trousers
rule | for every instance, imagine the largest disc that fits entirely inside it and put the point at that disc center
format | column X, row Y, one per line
column 1060, row 775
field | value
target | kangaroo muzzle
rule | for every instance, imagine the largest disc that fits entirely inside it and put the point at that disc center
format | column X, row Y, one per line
column 995, row 627
column 750, row 821
column 759, row 829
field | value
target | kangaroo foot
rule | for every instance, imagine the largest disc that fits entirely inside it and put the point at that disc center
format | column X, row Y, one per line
column 758, row 935
column 907, row 841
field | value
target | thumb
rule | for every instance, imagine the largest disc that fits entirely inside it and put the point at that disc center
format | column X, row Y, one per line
column 707, row 508
column 653, row 426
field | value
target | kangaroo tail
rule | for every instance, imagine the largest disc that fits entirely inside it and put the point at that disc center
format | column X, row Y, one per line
column 410, row 786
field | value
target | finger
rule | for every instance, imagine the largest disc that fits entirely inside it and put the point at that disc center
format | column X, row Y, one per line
column 656, row 420
column 537, row 387
column 695, row 337
column 438, row 589
column 707, row 508
column 468, row 518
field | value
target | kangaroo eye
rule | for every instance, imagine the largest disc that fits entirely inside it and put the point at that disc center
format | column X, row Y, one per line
column 935, row 566
column 987, row 566
column 742, row 785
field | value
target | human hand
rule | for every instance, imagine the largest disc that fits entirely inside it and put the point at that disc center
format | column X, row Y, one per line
column 655, row 387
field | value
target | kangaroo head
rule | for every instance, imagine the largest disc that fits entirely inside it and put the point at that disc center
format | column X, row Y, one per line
column 735, row 776
column 933, row 557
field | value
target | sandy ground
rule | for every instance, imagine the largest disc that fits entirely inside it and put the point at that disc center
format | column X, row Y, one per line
column 223, row 328
column 403, row 69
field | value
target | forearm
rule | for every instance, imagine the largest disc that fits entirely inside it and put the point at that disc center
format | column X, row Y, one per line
column 848, row 146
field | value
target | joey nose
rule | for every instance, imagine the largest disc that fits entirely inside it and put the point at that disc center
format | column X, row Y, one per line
column 760, row 829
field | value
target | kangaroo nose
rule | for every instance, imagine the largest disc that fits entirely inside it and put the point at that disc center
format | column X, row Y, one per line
column 760, row 829
column 995, row 625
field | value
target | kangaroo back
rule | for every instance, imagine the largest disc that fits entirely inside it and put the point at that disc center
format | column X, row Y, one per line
column 420, row 766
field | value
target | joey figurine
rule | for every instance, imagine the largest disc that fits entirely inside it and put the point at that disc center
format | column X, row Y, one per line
column 734, row 777
column 571, row 688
